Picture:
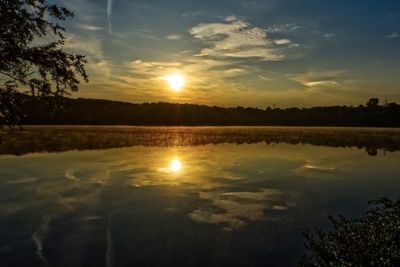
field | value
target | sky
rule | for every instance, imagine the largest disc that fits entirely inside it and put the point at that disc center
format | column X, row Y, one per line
column 255, row 53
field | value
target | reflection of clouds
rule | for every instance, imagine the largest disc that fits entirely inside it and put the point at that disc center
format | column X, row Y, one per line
column 55, row 194
column 235, row 214
column 316, row 168
column 77, row 182
column 71, row 176
column 8, row 209
column 39, row 235
column 92, row 218
column 22, row 181
column 263, row 195
column 55, row 199
column 236, row 209
column 67, row 195
column 190, row 168
column 277, row 207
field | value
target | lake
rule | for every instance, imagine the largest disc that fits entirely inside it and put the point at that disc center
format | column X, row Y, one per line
column 177, row 196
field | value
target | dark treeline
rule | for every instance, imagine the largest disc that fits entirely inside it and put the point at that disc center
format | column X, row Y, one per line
column 104, row 112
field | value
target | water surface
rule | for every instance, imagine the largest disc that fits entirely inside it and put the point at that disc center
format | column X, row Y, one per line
column 183, row 196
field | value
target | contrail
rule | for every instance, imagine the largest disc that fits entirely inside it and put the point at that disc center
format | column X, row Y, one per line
column 263, row 77
column 109, row 13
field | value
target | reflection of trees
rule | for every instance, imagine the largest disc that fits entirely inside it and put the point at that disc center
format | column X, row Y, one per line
column 372, row 151
column 52, row 139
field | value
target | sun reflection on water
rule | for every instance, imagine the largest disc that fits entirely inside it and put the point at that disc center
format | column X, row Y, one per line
column 176, row 165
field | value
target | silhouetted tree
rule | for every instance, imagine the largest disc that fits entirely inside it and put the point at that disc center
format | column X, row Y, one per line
column 31, row 58
column 373, row 102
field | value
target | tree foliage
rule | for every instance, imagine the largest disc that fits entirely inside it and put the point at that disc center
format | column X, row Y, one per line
column 371, row 240
column 373, row 103
column 31, row 55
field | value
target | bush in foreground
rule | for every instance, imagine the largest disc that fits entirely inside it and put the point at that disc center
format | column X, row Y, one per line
column 371, row 240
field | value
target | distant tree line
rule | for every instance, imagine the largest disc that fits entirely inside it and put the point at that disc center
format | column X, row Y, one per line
column 105, row 112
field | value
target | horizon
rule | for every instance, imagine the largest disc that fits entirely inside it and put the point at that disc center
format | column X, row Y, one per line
column 236, row 52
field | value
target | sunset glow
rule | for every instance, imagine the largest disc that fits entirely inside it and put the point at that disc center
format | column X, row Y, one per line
column 238, row 53
column 175, row 81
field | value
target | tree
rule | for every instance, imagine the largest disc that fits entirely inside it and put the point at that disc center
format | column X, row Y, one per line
column 31, row 58
column 371, row 240
column 373, row 102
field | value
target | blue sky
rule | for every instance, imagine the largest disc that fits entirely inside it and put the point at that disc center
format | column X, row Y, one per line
column 235, row 52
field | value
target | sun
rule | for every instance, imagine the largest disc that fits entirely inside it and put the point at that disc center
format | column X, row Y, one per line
column 175, row 81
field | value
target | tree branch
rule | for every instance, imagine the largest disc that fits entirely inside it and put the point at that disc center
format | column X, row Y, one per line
column 13, row 77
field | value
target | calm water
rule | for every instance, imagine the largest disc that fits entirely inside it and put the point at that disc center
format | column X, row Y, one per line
column 206, row 203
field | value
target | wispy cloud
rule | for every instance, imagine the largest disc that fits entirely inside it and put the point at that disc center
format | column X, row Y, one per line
column 89, row 27
column 321, row 83
column 319, row 79
column 263, row 77
column 289, row 27
column 174, row 37
column 235, row 38
column 393, row 35
column 282, row 41
column 328, row 35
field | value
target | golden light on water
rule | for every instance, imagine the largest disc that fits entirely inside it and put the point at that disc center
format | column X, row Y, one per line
column 176, row 165
column 175, row 81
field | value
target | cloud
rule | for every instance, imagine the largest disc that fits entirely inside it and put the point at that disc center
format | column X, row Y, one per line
column 321, row 83
column 263, row 77
column 190, row 67
column 174, row 37
column 289, row 27
column 206, row 80
column 231, row 18
column 89, row 27
column 200, row 15
column 235, row 38
column 393, row 35
column 319, row 79
column 328, row 35
column 282, row 41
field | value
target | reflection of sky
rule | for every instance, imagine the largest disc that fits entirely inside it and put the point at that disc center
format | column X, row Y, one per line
column 229, row 187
